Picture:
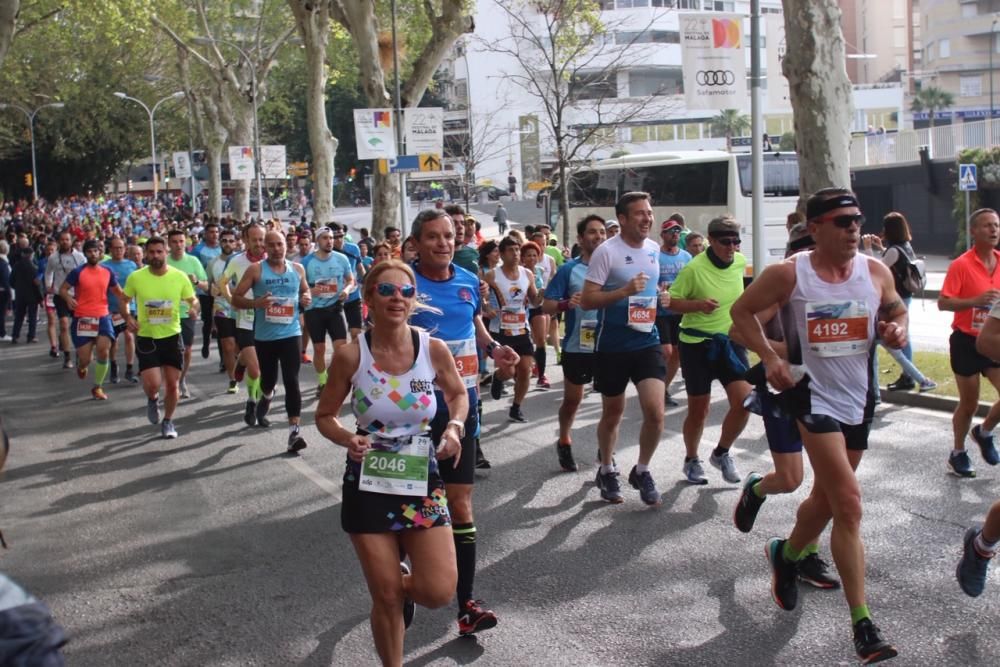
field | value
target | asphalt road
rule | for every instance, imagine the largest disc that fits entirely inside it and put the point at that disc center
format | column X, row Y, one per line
column 214, row 549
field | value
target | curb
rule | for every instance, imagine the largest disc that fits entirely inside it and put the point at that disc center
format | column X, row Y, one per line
column 917, row 400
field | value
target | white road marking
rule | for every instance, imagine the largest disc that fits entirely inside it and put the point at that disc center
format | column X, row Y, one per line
column 309, row 473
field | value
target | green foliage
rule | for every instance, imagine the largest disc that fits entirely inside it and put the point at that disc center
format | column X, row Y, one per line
column 987, row 161
column 730, row 123
column 787, row 142
column 931, row 100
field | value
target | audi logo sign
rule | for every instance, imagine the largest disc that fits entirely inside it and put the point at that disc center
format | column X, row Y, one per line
column 715, row 77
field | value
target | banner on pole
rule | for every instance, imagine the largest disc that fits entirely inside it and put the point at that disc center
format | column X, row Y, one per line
column 273, row 162
column 241, row 163
column 182, row 165
column 531, row 152
column 778, row 96
column 714, row 61
column 424, row 130
column 375, row 133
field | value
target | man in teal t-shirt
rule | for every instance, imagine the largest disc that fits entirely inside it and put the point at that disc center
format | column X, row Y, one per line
column 192, row 267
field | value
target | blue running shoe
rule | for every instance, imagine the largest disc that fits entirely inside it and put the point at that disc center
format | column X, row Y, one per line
column 643, row 481
column 986, row 445
column 611, row 490
column 971, row 570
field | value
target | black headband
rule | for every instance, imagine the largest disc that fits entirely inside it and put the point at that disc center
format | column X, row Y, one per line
column 815, row 209
column 800, row 243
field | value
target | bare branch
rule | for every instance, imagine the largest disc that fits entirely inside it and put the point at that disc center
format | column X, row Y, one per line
column 180, row 42
column 21, row 29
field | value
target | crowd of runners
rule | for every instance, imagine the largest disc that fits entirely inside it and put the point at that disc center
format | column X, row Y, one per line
column 418, row 327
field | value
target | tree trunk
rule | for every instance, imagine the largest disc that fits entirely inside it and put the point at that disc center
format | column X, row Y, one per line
column 8, row 24
column 214, row 152
column 563, row 200
column 814, row 65
column 313, row 21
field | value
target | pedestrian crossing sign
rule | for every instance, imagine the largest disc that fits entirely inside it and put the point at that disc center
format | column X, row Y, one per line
column 967, row 177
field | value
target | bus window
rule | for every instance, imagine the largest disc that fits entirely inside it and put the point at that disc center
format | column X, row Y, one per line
column 588, row 189
column 781, row 174
column 693, row 184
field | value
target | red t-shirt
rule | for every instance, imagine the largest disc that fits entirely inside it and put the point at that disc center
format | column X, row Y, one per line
column 91, row 284
column 968, row 277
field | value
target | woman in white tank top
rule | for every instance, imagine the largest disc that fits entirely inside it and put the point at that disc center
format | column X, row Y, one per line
column 393, row 498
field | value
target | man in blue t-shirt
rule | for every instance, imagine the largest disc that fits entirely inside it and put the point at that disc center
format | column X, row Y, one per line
column 621, row 284
column 122, row 268
column 331, row 282
column 668, row 323
column 563, row 295
column 352, row 305
column 206, row 250
column 453, row 294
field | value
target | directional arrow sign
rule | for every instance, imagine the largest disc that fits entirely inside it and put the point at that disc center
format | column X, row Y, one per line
column 430, row 162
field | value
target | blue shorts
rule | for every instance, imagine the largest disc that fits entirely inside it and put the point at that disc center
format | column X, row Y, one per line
column 104, row 328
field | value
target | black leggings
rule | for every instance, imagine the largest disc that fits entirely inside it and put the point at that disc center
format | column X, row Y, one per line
column 207, row 302
column 287, row 352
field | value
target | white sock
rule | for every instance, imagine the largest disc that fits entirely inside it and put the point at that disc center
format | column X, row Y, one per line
column 607, row 469
column 641, row 468
column 983, row 431
column 988, row 549
column 293, row 428
column 956, row 452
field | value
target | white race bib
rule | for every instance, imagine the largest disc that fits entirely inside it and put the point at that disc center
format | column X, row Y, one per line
column 513, row 322
column 159, row 312
column 642, row 313
column 466, row 360
column 588, row 335
column 88, row 327
column 282, row 311
column 396, row 467
column 837, row 328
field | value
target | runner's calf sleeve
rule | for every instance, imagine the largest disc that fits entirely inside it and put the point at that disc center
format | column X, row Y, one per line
column 100, row 372
column 465, row 557
column 540, row 360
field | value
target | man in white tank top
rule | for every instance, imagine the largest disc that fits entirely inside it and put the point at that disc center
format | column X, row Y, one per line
column 833, row 300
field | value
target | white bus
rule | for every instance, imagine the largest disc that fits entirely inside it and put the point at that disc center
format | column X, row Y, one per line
column 700, row 185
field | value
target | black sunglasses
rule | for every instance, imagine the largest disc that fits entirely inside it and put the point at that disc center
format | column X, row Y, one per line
column 845, row 221
column 730, row 240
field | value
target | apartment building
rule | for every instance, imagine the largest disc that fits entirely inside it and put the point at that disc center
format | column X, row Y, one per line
column 960, row 48
column 478, row 86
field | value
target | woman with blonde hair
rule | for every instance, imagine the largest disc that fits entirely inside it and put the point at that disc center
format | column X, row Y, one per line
column 393, row 496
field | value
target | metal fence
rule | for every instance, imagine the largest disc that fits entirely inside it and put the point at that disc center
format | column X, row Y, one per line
column 904, row 146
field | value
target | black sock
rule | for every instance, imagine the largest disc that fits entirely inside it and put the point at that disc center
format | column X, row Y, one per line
column 719, row 451
column 514, row 407
column 128, row 368
column 688, row 459
column 540, row 360
column 465, row 557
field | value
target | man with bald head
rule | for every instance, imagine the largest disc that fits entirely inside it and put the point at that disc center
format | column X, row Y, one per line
column 280, row 293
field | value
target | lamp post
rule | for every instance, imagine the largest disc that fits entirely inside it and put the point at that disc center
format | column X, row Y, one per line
column 253, row 98
column 152, row 129
column 31, row 132
column 993, row 47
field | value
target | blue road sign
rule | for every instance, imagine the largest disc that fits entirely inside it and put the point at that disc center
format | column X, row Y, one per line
column 404, row 164
column 967, row 178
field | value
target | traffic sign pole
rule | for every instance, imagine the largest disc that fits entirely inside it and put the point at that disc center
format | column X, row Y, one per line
column 967, row 182
column 968, row 223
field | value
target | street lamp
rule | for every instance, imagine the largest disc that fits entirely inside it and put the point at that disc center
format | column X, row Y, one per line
column 993, row 47
column 205, row 41
column 152, row 129
column 31, row 132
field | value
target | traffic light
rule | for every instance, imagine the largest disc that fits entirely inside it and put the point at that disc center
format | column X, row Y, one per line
column 28, row 180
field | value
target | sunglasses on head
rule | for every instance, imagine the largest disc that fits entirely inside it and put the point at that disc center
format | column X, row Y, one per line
column 389, row 289
column 845, row 221
column 730, row 240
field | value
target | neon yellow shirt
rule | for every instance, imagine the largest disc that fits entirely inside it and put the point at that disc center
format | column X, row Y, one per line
column 700, row 279
column 159, row 300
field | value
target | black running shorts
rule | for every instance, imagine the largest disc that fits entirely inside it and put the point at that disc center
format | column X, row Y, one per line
column 699, row 372
column 157, row 352
column 855, row 435
column 614, row 370
column 352, row 311
column 578, row 367
column 225, row 327
column 321, row 322
column 965, row 359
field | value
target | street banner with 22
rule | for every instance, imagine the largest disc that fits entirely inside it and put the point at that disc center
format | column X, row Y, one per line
column 424, row 130
column 778, row 96
column 273, row 162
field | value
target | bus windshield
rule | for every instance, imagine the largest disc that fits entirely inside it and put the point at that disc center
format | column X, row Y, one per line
column 781, row 174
